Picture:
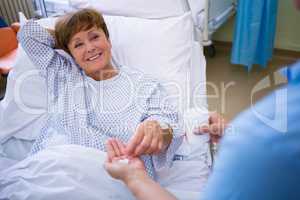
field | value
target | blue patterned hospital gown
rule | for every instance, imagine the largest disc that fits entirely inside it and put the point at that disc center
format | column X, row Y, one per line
column 86, row 112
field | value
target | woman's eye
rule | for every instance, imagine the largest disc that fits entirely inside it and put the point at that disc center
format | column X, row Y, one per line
column 77, row 45
column 95, row 37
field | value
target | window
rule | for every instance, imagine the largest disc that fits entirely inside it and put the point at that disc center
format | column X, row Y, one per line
column 48, row 8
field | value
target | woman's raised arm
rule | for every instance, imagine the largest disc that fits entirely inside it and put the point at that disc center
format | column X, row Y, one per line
column 39, row 45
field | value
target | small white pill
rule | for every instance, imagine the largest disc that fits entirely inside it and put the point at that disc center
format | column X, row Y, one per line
column 125, row 161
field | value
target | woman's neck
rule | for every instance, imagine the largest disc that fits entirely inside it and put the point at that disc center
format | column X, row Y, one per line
column 104, row 74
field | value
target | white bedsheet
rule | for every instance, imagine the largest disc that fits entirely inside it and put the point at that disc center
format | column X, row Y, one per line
column 62, row 172
column 77, row 173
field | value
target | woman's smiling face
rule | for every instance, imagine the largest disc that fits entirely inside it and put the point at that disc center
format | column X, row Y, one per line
column 91, row 50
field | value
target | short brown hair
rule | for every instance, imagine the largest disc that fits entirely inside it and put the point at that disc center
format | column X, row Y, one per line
column 70, row 24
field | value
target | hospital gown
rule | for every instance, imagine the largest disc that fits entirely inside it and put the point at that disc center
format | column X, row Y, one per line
column 258, row 160
column 86, row 112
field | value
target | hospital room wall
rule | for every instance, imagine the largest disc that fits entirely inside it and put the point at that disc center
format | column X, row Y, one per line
column 288, row 29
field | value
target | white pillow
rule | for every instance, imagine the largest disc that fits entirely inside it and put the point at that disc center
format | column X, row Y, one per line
column 22, row 111
column 161, row 48
column 135, row 8
column 22, row 18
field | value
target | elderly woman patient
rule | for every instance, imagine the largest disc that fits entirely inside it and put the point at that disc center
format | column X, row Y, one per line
column 90, row 100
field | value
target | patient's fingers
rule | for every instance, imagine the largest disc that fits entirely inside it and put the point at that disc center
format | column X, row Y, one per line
column 160, row 147
column 110, row 150
column 116, row 148
column 144, row 145
column 153, row 146
column 134, row 142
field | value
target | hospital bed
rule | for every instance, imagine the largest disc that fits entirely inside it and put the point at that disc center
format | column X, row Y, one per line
column 161, row 39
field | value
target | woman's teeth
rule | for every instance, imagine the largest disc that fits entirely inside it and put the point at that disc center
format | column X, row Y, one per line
column 94, row 57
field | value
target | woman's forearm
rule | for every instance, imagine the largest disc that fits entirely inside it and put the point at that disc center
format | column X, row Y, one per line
column 144, row 188
column 37, row 43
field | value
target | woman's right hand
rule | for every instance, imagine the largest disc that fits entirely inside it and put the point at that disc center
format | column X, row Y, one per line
column 129, row 171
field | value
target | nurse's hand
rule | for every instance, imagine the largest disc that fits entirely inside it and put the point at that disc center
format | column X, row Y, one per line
column 215, row 127
column 148, row 139
column 117, row 166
